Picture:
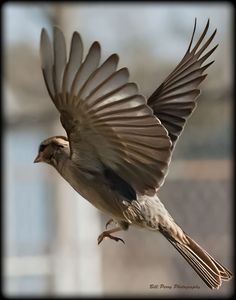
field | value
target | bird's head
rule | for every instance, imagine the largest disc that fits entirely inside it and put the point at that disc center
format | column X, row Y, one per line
column 51, row 149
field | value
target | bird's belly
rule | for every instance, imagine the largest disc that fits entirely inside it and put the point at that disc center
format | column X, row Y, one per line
column 98, row 195
column 102, row 200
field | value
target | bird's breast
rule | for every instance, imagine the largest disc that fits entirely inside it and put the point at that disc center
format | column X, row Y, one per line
column 93, row 190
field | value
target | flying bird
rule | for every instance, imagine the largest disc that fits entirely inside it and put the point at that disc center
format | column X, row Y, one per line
column 119, row 144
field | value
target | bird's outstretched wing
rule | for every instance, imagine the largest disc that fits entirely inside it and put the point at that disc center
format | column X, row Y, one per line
column 107, row 121
column 175, row 99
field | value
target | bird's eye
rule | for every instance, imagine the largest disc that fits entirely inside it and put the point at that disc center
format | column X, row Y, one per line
column 42, row 147
column 57, row 145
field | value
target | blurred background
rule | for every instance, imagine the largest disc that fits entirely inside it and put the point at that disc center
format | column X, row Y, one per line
column 50, row 232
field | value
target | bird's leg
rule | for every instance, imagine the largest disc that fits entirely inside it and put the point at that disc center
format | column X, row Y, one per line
column 109, row 222
column 107, row 233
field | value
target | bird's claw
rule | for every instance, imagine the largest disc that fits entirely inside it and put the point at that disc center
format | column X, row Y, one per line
column 107, row 234
column 109, row 222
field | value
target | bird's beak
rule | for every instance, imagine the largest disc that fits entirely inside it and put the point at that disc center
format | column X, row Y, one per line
column 38, row 159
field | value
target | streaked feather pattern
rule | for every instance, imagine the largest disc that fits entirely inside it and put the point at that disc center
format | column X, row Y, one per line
column 210, row 271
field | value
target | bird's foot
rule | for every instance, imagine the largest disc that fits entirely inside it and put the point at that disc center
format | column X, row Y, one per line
column 109, row 222
column 107, row 233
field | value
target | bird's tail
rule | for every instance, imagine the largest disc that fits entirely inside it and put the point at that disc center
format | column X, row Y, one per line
column 210, row 270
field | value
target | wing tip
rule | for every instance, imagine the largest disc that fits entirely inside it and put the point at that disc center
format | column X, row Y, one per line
column 56, row 28
column 192, row 37
column 45, row 49
column 76, row 35
column 115, row 57
column 96, row 44
column 58, row 35
column 43, row 31
column 43, row 36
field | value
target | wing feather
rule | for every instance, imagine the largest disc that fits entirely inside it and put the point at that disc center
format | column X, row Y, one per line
column 175, row 99
column 59, row 49
column 47, row 62
column 87, row 67
column 107, row 121
column 74, row 63
column 113, row 82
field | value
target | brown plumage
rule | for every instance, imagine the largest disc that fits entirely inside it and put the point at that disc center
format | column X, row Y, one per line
column 211, row 271
column 175, row 98
column 119, row 144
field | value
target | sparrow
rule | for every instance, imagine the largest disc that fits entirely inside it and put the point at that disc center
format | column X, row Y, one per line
column 119, row 144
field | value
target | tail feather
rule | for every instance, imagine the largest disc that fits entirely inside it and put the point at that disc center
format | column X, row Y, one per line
column 224, row 273
column 210, row 271
column 208, row 275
